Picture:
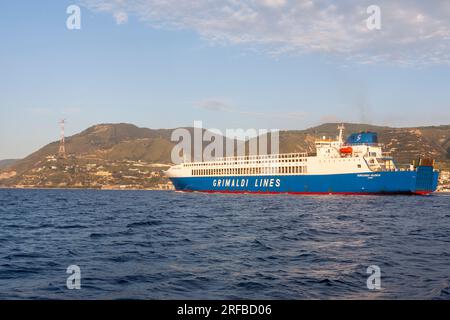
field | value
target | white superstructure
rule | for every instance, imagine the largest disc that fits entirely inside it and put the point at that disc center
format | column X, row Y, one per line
column 332, row 157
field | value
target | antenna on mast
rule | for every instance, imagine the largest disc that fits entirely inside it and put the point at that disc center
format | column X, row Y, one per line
column 341, row 128
column 62, row 142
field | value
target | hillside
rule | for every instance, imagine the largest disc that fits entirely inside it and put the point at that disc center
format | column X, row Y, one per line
column 7, row 163
column 123, row 155
column 108, row 142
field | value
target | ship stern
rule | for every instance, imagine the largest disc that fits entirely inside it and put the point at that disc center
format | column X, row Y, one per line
column 426, row 177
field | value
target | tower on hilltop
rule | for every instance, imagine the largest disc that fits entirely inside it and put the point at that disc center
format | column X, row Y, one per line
column 62, row 146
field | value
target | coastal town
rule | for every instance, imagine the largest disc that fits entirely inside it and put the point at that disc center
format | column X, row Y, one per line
column 444, row 182
column 74, row 172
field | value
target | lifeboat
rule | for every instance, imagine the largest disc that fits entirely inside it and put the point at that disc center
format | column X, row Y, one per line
column 346, row 150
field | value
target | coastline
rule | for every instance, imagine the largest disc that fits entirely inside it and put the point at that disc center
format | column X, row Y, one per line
column 119, row 189
column 83, row 188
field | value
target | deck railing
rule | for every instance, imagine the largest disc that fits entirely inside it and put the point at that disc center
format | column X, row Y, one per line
column 231, row 159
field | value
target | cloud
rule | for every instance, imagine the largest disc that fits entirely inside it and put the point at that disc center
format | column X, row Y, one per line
column 213, row 105
column 413, row 32
column 218, row 105
column 274, row 3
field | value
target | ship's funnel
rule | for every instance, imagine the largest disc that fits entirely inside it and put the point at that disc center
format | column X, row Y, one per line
column 362, row 138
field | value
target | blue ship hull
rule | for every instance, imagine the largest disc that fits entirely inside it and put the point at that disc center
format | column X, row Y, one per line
column 424, row 180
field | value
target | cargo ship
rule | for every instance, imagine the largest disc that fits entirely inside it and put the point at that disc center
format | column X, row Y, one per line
column 356, row 165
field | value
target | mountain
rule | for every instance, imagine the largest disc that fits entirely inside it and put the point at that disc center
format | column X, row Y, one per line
column 109, row 142
column 126, row 155
column 7, row 163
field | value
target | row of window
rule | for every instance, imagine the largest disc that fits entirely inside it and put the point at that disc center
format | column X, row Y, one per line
column 203, row 164
column 334, row 160
column 248, row 171
column 267, row 156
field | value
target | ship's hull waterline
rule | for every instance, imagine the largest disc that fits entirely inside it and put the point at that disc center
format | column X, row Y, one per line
column 396, row 182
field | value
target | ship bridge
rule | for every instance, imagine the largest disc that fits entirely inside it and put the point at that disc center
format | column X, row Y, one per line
column 362, row 145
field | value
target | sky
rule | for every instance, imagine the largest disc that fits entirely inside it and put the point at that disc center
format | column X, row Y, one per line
column 264, row 64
